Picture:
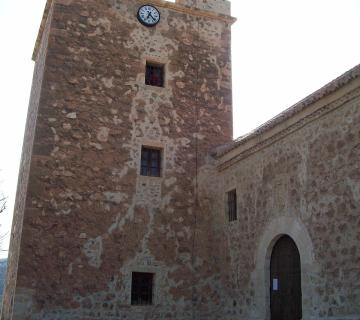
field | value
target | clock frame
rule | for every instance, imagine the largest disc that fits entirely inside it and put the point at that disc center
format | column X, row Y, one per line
column 143, row 20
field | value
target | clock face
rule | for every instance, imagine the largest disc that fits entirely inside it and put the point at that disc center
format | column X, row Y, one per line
column 148, row 15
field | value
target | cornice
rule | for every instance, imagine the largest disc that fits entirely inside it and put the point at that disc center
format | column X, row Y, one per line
column 257, row 141
column 160, row 3
column 192, row 11
column 289, row 113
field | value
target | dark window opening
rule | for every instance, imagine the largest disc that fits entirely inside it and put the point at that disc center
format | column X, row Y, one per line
column 232, row 207
column 150, row 162
column 154, row 75
column 142, row 288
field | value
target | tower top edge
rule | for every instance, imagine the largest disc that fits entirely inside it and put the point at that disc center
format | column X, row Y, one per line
column 212, row 9
column 215, row 6
column 42, row 27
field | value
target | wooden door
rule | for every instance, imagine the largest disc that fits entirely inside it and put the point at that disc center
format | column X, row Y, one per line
column 285, row 278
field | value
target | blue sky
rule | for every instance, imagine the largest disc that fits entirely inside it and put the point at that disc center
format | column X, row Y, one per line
column 283, row 50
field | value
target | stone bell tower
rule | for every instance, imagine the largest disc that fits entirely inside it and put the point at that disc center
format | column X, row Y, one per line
column 123, row 111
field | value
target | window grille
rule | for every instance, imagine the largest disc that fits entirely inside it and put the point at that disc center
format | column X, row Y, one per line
column 142, row 288
column 232, row 205
column 150, row 162
column 154, row 75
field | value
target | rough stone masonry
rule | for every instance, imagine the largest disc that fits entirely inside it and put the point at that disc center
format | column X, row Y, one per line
column 86, row 218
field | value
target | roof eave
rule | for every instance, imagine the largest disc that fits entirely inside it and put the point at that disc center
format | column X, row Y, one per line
column 291, row 112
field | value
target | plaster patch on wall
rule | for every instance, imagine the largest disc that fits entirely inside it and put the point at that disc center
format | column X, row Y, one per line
column 103, row 134
column 115, row 197
column 93, row 250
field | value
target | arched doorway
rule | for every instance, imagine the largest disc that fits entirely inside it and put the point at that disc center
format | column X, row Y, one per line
column 285, row 280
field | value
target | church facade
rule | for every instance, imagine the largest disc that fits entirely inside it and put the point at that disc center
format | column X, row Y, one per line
column 134, row 201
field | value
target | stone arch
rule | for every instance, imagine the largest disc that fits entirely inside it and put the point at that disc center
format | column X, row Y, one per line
column 277, row 228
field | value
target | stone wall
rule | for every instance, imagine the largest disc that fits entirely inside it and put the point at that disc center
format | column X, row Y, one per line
column 301, row 178
column 21, row 195
column 85, row 218
column 90, row 219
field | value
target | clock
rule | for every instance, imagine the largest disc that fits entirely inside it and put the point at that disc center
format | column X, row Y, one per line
column 148, row 15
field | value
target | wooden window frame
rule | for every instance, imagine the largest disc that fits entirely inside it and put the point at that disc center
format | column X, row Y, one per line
column 142, row 288
column 231, row 201
column 150, row 77
column 149, row 156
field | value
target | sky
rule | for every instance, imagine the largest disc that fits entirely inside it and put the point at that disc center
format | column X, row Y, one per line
column 283, row 50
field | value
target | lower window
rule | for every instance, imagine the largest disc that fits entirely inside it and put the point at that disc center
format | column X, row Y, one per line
column 142, row 288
